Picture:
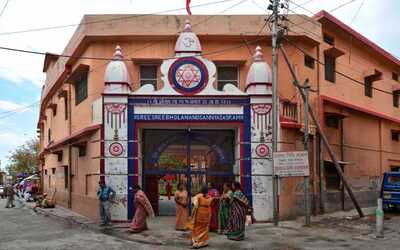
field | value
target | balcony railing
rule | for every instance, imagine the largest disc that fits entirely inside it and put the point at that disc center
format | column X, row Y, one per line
column 288, row 111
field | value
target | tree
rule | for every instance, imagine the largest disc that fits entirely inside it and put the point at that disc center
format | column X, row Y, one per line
column 24, row 159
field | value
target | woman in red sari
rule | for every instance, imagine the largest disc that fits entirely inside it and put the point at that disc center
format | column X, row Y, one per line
column 214, row 195
column 143, row 210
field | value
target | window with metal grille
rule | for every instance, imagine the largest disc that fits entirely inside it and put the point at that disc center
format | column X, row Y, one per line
column 332, row 121
column 227, row 74
column 309, row 61
column 329, row 39
column 81, row 88
column 396, row 96
column 395, row 76
column 330, row 67
column 82, row 151
column 395, row 135
column 148, row 75
column 368, row 87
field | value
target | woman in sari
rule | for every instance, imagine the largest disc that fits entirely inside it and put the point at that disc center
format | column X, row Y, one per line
column 238, row 206
column 143, row 210
column 201, row 218
column 214, row 195
column 182, row 214
column 223, row 211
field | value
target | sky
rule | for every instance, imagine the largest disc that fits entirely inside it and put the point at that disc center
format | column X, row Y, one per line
column 21, row 74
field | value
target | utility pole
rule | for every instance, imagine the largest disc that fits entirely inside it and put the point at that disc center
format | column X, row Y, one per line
column 275, row 104
column 306, row 89
column 323, row 137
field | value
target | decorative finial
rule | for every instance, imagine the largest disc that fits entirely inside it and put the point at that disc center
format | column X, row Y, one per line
column 118, row 53
column 258, row 56
column 188, row 27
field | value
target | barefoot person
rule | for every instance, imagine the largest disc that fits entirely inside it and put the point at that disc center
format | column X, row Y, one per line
column 238, row 208
column 143, row 209
column 201, row 215
column 223, row 211
column 182, row 214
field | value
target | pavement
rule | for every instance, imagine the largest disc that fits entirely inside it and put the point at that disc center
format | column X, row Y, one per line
column 60, row 228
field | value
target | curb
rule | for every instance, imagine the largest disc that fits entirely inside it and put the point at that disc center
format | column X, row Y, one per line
column 94, row 227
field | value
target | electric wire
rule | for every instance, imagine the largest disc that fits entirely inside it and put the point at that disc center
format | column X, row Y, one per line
column 336, row 71
column 4, row 8
column 356, row 14
column 110, row 19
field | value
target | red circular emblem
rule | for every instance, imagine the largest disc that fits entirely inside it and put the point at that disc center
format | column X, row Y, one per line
column 116, row 149
column 262, row 150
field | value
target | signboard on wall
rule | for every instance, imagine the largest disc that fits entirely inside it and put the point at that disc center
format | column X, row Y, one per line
column 293, row 163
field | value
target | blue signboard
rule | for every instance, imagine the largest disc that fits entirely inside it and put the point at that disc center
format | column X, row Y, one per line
column 188, row 101
column 186, row 117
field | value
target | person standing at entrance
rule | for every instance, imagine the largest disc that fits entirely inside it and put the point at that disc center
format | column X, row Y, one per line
column 223, row 211
column 168, row 189
column 9, row 191
column 201, row 215
column 214, row 195
column 105, row 194
column 143, row 209
column 238, row 208
column 182, row 214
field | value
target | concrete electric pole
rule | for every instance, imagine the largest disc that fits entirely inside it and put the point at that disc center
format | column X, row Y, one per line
column 275, row 103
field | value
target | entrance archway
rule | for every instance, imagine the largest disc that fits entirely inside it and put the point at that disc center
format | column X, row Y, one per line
column 193, row 157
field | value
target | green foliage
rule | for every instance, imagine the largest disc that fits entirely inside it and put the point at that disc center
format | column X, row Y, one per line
column 167, row 160
column 24, row 159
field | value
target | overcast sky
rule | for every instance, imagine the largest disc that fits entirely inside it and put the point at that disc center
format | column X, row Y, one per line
column 21, row 75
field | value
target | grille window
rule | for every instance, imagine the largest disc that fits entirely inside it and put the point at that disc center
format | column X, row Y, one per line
column 81, row 88
column 309, row 61
column 227, row 74
column 329, row 39
column 148, row 75
column 330, row 67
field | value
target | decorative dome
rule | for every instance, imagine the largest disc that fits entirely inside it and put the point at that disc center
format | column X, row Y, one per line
column 117, row 74
column 188, row 42
column 259, row 77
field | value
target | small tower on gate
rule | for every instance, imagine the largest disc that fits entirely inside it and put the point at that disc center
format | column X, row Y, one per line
column 259, row 77
column 188, row 44
column 259, row 88
column 116, row 77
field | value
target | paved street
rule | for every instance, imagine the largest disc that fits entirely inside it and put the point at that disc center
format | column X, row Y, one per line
column 21, row 228
column 24, row 229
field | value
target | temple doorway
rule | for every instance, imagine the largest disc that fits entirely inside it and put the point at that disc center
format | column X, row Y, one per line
column 191, row 156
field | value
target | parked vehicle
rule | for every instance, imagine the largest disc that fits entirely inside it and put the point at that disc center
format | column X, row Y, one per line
column 390, row 191
column 2, row 193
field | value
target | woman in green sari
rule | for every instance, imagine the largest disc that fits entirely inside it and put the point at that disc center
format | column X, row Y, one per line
column 223, row 211
column 238, row 208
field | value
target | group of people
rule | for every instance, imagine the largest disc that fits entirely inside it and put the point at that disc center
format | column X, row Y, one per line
column 225, row 213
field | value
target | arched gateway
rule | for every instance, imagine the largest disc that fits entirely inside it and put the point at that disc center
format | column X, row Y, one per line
column 187, row 131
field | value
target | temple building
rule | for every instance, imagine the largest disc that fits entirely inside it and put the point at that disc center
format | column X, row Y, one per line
column 158, row 100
